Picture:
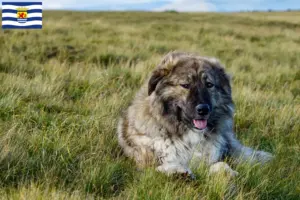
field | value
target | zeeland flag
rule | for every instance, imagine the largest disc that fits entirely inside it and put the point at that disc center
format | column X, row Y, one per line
column 21, row 15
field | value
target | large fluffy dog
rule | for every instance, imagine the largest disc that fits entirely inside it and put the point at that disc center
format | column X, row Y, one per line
column 184, row 112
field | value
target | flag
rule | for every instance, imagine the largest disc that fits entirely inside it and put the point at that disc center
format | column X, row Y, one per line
column 21, row 15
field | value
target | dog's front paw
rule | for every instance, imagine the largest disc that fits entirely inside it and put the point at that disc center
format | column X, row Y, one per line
column 263, row 157
column 222, row 167
column 176, row 169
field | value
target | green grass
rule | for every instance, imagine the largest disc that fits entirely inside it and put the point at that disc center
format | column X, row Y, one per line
column 62, row 89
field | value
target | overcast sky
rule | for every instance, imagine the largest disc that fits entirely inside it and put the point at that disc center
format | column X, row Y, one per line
column 180, row 5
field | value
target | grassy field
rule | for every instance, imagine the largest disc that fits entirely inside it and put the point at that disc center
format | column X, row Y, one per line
column 62, row 89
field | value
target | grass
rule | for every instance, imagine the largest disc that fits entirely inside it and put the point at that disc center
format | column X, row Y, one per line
column 62, row 89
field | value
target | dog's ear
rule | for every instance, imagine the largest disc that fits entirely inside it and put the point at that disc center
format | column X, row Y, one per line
column 225, row 79
column 163, row 69
column 226, row 82
column 156, row 76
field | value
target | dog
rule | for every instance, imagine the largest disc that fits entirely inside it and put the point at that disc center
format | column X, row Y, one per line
column 183, row 114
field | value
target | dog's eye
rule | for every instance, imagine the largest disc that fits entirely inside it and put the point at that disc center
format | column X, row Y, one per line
column 209, row 85
column 186, row 86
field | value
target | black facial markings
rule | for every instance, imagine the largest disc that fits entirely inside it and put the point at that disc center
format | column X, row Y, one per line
column 200, row 95
column 181, row 114
column 165, row 107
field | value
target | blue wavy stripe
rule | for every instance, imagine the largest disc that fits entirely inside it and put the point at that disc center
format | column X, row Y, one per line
column 28, row 19
column 28, row 11
column 21, row 3
column 21, row 27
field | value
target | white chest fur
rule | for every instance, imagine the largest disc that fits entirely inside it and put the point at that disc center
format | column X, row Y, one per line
column 181, row 150
column 208, row 149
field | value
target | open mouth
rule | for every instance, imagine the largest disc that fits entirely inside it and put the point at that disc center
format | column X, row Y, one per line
column 200, row 123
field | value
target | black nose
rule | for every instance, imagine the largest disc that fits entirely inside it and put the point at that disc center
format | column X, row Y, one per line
column 203, row 109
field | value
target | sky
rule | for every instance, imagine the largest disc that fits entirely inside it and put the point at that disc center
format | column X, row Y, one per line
column 161, row 5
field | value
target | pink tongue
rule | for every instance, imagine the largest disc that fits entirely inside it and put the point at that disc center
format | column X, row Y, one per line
column 200, row 124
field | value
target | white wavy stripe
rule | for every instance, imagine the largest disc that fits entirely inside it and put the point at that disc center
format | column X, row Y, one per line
column 21, row 24
column 28, row 7
column 15, row 15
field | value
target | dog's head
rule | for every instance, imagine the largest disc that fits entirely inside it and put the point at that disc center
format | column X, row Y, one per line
column 192, row 89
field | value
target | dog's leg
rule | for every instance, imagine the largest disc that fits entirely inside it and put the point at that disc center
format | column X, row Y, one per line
column 242, row 153
column 172, row 160
column 174, row 168
column 144, row 157
column 222, row 167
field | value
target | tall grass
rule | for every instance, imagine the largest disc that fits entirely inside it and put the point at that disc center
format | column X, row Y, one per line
column 62, row 89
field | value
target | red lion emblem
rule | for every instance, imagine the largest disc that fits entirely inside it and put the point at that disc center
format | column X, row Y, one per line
column 22, row 15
